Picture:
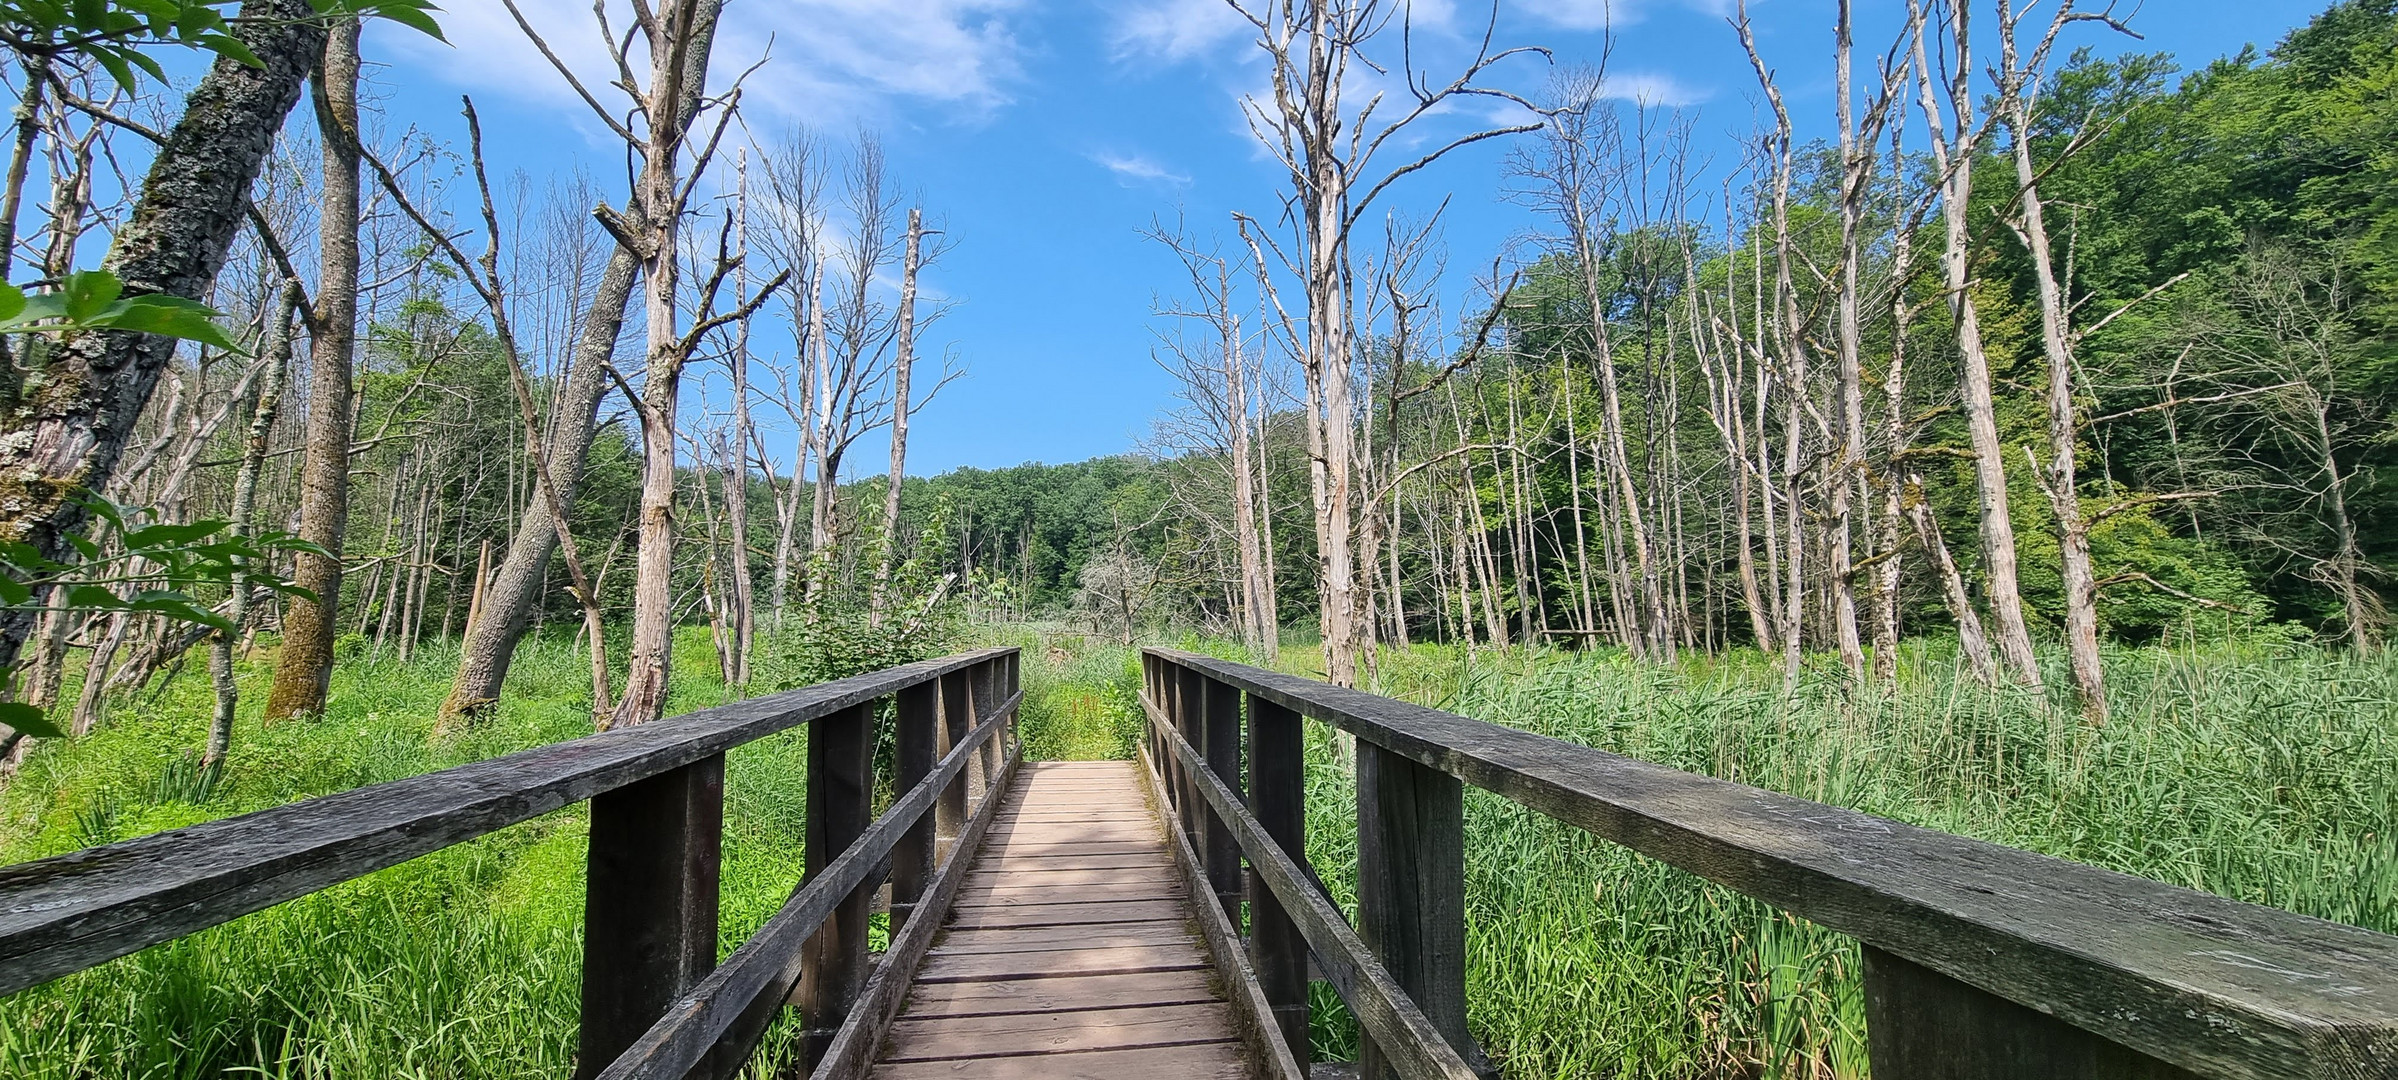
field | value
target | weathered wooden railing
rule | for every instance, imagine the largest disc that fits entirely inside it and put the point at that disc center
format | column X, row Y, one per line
column 1981, row 961
column 656, row 1003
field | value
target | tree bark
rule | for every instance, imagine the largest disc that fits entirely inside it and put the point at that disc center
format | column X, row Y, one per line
column 304, row 667
column 245, row 502
column 901, row 370
column 68, row 433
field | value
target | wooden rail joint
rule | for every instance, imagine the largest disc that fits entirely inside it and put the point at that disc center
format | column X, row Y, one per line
column 1981, row 960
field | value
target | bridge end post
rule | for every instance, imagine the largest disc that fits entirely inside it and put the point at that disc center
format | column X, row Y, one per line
column 649, row 904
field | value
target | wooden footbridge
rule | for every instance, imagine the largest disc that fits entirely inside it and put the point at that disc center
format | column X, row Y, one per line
column 1157, row 920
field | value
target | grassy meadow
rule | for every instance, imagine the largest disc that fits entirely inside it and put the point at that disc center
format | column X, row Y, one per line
column 2269, row 775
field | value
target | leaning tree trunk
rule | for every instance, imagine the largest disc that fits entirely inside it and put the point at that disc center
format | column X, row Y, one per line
column 66, row 434
column 304, row 667
column 901, row 373
column 245, row 501
column 508, row 602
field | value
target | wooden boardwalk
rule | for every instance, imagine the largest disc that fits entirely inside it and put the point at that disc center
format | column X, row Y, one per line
column 1070, row 952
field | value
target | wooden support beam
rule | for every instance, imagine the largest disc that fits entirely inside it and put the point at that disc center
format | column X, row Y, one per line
column 918, row 721
column 1922, row 1025
column 649, row 908
column 1220, row 732
column 1411, row 891
column 839, row 807
column 1278, row 797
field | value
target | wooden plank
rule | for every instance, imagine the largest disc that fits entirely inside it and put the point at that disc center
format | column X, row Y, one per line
column 916, row 735
column 1008, row 895
column 1220, row 730
column 1010, row 874
column 976, row 967
column 649, row 911
column 985, row 1037
column 840, row 804
column 1115, row 860
column 997, row 916
column 2196, row 980
column 1209, row 1061
column 1068, row 992
column 1050, row 938
column 1095, row 849
column 72, row 911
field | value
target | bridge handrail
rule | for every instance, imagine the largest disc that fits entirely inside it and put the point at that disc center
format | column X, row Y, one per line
column 657, row 820
column 1972, row 948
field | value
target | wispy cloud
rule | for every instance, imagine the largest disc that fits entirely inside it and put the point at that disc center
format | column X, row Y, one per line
column 1603, row 14
column 1138, row 169
column 1651, row 88
column 832, row 60
column 1174, row 29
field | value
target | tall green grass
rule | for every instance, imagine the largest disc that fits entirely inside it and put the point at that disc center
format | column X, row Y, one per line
column 2268, row 775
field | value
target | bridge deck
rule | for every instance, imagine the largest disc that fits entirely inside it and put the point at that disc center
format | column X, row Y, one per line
column 1070, row 952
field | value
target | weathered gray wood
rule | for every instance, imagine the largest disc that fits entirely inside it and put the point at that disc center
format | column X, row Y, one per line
column 1071, row 992
column 840, row 806
column 851, row 1052
column 2220, row 988
column 712, row 1018
column 916, row 718
column 1220, row 730
column 957, row 718
column 1921, row 1025
column 1190, row 697
column 1278, row 797
column 1037, row 939
column 1205, row 1061
column 1411, row 891
column 649, row 909
column 1223, row 939
column 984, row 1037
column 1382, row 1008
column 72, row 911
column 1028, row 915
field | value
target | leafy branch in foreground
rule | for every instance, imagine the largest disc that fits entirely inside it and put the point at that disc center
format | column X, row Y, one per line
column 138, row 567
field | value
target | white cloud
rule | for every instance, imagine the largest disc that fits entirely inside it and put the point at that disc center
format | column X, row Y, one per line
column 1175, row 29
column 832, row 60
column 1135, row 168
column 1650, row 88
column 1603, row 14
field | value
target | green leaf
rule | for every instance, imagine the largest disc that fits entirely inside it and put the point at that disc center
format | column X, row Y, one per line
column 412, row 14
column 93, row 598
column 13, row 593
column 149, row 536
column 170, row 316
column 29, row 720
column 114, row 62
column 229, row 47
column 12, row 302
column 89, row 292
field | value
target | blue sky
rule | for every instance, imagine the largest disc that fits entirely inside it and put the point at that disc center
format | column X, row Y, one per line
column 1046, row 136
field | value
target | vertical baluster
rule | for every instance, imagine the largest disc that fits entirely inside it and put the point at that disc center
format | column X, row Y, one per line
column 1219, row 852
column 649, row 908
column 957, row 719
column 985, row 683
column 1278, row 796
column 1919, row 1022
column 918, row 732
column 1411, row 888
column 1189, row 699
column 839, row 806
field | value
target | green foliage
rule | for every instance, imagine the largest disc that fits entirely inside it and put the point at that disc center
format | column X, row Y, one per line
column 115, row 33
column 95, row 300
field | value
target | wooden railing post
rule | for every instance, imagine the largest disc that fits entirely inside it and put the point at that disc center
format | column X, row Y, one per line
column 987, row 696
column 1278, row 796
column 918, row 720
column 1189, row 698
column 839, row 807
column 1219, row 852
column 1411, row 889
column 1920, row 1023
column 957, row 720
column 649, row 905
